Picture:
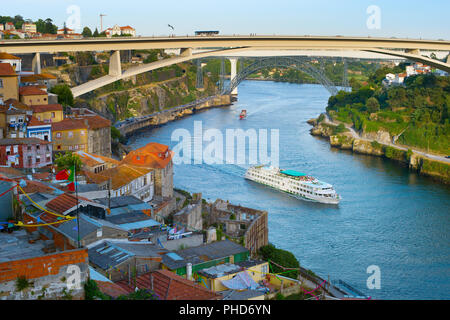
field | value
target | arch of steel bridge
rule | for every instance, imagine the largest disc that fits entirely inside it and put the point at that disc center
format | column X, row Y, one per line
column 286, row 62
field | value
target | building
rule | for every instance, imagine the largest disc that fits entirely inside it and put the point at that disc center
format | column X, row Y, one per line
column 9, row 83
column 158, row 157
column 32, row 95
column 96, row 163
column 99, row 130
column 245, row 225
column 119, row 259
column 127, row 180
column 217, row 278
column 25, row 153
column 65, row 31
column 45, row 79
column 39, row 129
column 120, row 31
column 169, row 286
column 14, row 61
column 69, row 135
column 9, row 26
column 48, row 113
column 204, row 256
column 29, row 27
column 23, row 254
column 190, row 217
column 16, row 122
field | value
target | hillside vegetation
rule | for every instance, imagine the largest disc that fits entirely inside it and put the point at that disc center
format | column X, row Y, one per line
column 416, row 113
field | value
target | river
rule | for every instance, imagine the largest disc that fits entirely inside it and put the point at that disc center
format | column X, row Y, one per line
column 389, row 217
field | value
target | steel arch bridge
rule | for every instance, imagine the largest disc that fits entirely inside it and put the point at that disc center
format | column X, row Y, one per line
column 284, row 62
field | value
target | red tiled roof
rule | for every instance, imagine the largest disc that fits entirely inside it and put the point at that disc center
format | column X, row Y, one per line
column 68, row 124
column 31, row 91
column 36, row 186
column 111, row 289
column 47, row 107
column 35, row 122
column 170, row 286
column 94, row 122
column 63, row 202
column 17, row 104
column 6, row 70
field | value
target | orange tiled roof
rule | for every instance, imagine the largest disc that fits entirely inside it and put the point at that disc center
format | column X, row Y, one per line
column 47, row 107
column 123, row 174
column 31, row 91
column 6, row 70
column 68, row 124
column 95, row 177
column 17, row 104
column 35, row 122
column 152, row 155
column 91, row 159
column 170, row 286
column 94, row 121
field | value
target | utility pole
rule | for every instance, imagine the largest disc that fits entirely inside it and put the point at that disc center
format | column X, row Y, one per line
column 101, row 21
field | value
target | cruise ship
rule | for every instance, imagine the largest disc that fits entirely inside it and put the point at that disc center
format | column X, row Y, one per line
column 294, row 183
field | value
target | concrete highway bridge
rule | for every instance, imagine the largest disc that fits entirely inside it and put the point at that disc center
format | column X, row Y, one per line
column 197, row 47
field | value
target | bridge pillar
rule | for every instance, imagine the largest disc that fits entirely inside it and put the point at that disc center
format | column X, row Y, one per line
column 233, row 62
column 186, row 52
column 413, row 51
column 115, row 68
column 36, row 63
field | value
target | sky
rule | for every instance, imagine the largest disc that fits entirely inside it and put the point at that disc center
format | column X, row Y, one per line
column 376, row 18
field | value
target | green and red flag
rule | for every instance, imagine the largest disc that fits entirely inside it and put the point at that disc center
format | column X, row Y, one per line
column 67, row 174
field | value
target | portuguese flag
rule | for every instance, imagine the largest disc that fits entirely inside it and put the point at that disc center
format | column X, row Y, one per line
column 67, row 174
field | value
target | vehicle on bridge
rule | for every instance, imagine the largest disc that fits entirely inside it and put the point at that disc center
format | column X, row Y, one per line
column 206, row 33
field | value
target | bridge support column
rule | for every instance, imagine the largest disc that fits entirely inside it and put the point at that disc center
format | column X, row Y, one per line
column 115, row 68
column 36, row 63
column 233, row 62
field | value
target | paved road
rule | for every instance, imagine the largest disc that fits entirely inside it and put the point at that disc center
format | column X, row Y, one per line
column 357, row 136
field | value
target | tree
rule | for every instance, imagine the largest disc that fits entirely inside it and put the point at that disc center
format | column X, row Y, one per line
column 68, row 160
column 65, row 96
column 281, row 257
column 87, row 33
column 373, row 105
column 95, row 34
column 65, row 28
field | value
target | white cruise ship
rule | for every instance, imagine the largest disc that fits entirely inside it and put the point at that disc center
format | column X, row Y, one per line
column 294, row 183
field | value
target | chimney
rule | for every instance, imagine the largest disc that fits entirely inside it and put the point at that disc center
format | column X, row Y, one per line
column 189, row 271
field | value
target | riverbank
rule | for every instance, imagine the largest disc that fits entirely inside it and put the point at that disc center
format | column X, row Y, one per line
column 346, row 138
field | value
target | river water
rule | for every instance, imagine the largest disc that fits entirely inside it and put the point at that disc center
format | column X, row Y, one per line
column 389, row 217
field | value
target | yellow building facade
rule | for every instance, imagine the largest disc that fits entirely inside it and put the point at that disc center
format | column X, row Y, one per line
column 69, row 135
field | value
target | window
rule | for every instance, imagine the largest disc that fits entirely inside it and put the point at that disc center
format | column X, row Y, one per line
column 53, row 114
column 28, row 148
column 1, row 83
column 70, row 134
column 82, row 132
column 58, row 135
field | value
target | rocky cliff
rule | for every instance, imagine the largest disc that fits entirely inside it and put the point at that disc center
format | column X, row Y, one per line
column 376, row 144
